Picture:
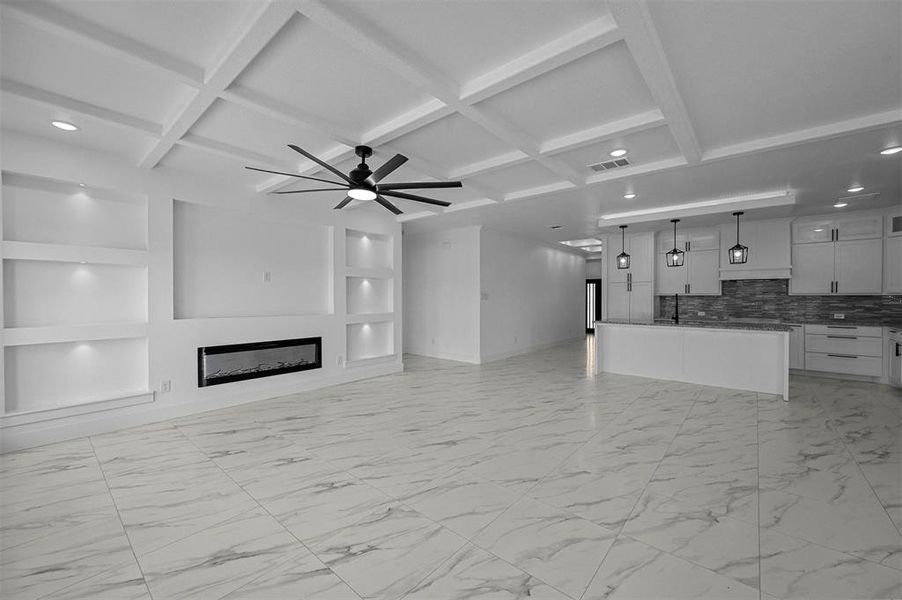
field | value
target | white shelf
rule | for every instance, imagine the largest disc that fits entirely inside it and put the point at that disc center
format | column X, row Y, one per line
column 67, row 253
column 58, row 412
column 374, row 273
column 371, row 318
column 23, row 336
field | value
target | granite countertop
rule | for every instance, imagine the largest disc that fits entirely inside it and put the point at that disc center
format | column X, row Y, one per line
column 778, row 327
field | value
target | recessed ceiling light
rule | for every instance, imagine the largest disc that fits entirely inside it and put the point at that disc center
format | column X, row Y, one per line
column 618, row 152
column 64, row 125
column 841, row 205
column 855, row 189
column 629, row 196
column 81, row 185
column 591, row 249
column 891, row 150
column 819, row 229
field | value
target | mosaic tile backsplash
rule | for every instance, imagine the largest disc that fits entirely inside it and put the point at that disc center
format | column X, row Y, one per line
column 770, row 299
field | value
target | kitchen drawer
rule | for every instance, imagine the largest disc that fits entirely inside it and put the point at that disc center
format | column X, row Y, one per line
column 845, row 330
column 844, row 342
column 869, row 366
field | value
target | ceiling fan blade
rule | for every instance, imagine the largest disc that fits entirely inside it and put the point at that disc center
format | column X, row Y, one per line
column 420, row 185
column 325, row 165
column 393, row 163
column 294, row 175
column 388, row 205
column 343, row 203
column 313, row 190
column 415, row 198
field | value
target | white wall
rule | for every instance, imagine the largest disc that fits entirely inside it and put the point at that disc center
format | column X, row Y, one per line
column 532, row 295
column 172, row 343
column 441, row 294
column 593, row 268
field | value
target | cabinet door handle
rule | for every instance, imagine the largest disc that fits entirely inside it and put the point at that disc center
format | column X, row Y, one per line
column 842, row 355
column 837, row 287
column 843, row 337
column 831, row 287
column 898, row 349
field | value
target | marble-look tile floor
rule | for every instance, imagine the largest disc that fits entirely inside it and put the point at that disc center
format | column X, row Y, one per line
column 527, row 477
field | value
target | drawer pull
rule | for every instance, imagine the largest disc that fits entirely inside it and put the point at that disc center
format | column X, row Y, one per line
column 843, row 337
column 842, row 356
column 841, row 327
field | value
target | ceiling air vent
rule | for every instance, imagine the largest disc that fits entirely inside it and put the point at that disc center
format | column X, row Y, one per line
column 610, row 164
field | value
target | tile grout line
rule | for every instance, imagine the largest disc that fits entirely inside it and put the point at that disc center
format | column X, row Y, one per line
column 758, row 489
column 119, row 516
column 274, row 518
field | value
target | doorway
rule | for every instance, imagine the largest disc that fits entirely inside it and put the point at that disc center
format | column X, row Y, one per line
column 593, row 303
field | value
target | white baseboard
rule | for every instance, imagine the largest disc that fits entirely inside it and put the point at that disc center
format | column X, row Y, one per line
column 30, row 435
column 528, row 349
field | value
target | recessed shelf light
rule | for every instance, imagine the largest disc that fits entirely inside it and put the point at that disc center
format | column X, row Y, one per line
column 841, row 205
column 629, row 196
column 618, row 152
column 855, row 189
column 65, row 126
column 891, row 150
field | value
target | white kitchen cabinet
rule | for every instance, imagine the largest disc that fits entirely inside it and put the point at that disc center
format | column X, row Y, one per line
column 859, row 227
column 640, row 247
column 812, row 268
column 892, row 265
column 618, row 302
column 797, row 347
column 859, row 267
column 700, row 273
column 769, row 247
column 641, row 302
column 844, row 349
column 812, row 231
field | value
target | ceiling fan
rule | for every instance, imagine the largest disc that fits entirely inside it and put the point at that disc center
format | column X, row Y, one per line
column 363, row 184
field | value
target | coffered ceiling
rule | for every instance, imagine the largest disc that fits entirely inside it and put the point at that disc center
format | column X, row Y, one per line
column 712, row 99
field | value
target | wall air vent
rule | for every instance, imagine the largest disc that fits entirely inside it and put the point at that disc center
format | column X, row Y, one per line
column 610, row 164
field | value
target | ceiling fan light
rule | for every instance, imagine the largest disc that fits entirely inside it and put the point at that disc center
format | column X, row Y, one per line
column 362, row 194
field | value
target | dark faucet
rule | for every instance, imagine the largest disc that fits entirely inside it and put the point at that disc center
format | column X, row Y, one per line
column 676, row 309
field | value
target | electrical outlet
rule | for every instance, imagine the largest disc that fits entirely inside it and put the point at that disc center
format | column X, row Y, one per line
column 839, row 315
column 165, row 386
column 341, row 361
column 701, row 313
column 267, row 276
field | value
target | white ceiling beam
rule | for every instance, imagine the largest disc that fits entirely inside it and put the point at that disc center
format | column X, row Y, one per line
column 635, row 21
column 286, row 114
column 657, row 166
column 604, row 132
column 259, row 31
column 488, row 165
column 802, row 136
column 589, row 38
column 430, row 111
column 233, row 152
column 45, row 16
column 390, row 54
column 33, row 94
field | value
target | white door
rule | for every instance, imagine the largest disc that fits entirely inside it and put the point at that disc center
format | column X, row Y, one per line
column 811, row 231
column 892, row 272
column 668, row 280
column 797, row 347
column 704, row 239
column 859, row 227
column 859, row 267
column 642, row 252
column 704, row 274
column 615, row 275
column 812, row 268
column 618, row 302
column 641, row 303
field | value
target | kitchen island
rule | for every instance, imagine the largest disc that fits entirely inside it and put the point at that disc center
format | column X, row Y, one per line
column 741, row 356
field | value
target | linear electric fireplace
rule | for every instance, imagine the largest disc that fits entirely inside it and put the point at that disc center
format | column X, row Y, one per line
column 235, row 362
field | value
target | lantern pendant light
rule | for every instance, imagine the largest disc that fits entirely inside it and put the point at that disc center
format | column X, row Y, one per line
column 623, row 259
column 738, row 254
column 675, row 257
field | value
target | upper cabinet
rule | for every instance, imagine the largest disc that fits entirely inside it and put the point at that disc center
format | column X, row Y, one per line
column 892, row 253
column 769, row 248
column 699, row 273
column 841, row 255
column 640, row 247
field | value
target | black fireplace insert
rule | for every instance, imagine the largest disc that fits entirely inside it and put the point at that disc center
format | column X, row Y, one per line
column 236, row 362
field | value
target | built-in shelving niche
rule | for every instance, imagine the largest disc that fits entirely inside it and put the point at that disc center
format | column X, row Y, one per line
column 74, row 298
column 370, row 285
